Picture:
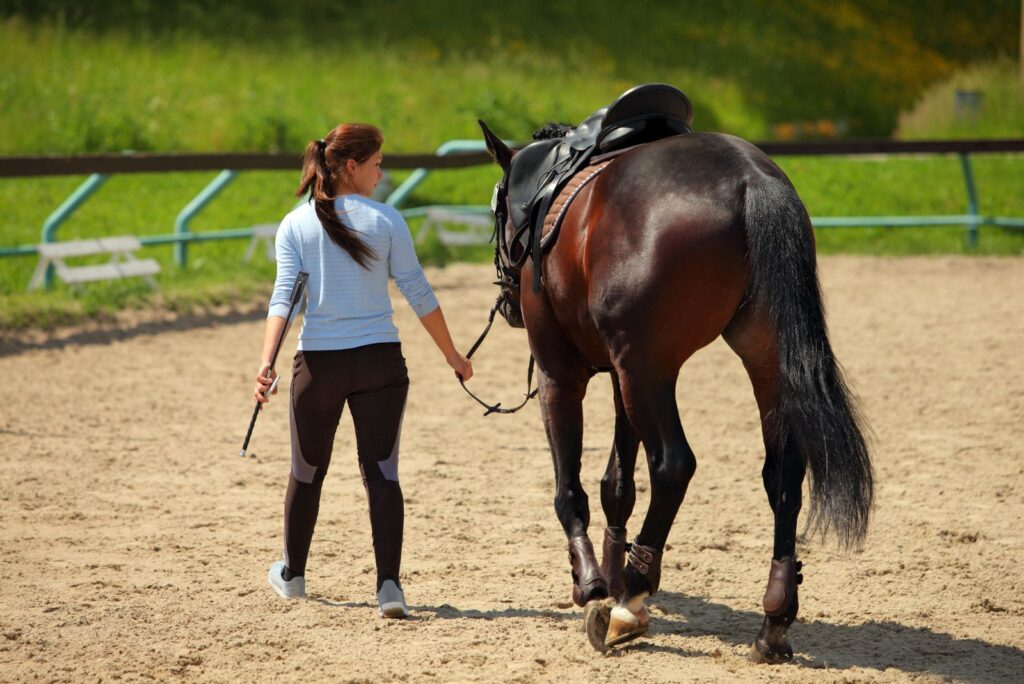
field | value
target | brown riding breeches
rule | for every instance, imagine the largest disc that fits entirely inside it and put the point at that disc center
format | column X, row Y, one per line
column 374, row 382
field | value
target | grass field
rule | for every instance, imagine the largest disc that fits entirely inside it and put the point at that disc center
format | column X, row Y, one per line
column 270, row 74
column 83, row 77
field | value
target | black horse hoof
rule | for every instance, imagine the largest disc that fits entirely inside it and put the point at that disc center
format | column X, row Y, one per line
column 596, row 616
column 762, row 652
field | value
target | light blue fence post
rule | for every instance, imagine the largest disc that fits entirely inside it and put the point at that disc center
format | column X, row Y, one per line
column 402, row 192
column 194, row 207
column 972, row 202
column 64, row 211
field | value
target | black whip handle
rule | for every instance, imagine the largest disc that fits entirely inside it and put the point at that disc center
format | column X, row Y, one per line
column 296, row 297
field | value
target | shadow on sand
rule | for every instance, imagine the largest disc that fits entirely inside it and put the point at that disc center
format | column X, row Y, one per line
column 18, row 344
column 871, row 645
column 449, row 612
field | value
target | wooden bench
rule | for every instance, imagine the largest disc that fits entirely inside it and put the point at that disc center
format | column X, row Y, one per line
column 122, row 264
column 265, row 233
column 481, row 226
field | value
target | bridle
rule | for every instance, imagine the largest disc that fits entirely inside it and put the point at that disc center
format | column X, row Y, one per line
column 508, row 280
column 508, row 267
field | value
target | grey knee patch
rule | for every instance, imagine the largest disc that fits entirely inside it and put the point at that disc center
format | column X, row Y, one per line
column 301, row 469
column 389, row 466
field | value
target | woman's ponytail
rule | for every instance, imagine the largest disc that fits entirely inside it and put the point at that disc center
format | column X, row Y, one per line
column 321, row 164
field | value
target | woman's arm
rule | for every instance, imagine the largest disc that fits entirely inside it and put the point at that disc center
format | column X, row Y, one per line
column 438, row 328
column 408, row 274
column 271, row 334
column 289, row 263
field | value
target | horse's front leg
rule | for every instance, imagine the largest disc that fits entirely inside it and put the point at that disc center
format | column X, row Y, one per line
column 561, row 403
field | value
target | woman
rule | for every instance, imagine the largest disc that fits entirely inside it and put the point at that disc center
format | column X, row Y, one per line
column 348, row 348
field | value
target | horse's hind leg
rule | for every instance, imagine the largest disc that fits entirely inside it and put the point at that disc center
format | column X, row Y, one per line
column 562, row 410
column 618, row 495
column 783, row 474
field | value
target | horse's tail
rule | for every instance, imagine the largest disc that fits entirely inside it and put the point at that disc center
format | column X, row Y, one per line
column 816, row 408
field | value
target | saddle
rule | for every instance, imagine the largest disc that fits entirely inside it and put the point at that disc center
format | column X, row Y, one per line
column 541, row 171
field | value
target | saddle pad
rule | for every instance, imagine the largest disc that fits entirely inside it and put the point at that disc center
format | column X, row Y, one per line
column 553, row 220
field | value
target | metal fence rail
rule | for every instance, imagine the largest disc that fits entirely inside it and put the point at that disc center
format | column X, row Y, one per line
column 457, row 154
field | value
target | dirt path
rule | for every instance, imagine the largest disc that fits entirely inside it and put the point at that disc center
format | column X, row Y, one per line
column 136, row 542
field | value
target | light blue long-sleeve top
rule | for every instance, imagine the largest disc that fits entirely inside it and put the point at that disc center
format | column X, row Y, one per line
column 347, row 305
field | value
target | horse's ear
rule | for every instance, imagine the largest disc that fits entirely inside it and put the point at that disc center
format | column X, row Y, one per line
column 499, row 150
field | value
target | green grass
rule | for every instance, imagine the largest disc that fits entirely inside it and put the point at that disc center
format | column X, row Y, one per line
column 81, row 94
column 89, row 76
column 1000, row 112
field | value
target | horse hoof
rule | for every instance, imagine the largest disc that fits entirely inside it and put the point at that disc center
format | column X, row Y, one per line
column 625, row 625
column 596, row 615
column 762, row 652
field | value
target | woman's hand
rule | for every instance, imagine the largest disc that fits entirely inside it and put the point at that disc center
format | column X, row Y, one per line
column 462, row 366
column 264, row 379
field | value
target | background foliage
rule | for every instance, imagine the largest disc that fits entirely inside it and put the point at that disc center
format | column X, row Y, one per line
column 263, row 74
column 268, row 75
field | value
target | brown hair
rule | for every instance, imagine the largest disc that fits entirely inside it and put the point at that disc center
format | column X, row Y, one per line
column 322, row 165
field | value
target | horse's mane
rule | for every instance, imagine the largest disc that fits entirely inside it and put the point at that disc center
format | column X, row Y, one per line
column 552, row 130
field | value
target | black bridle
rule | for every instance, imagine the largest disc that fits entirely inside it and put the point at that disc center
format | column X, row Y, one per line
column 508, row 281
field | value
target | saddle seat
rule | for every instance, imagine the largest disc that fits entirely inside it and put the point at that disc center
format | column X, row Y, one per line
column 641, row 114
column 542, row 169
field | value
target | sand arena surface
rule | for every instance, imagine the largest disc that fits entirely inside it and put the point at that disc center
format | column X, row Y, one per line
column 136, row 542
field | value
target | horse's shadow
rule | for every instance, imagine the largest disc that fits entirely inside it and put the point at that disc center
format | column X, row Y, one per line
column 872, row 645
column 448, row 612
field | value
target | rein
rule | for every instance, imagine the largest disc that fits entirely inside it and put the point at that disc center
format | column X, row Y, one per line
column 496, row 408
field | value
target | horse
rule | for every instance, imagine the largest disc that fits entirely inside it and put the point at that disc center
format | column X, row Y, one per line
column 675, row 243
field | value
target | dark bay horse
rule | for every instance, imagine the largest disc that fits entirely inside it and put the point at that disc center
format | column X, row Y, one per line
column 675, row 243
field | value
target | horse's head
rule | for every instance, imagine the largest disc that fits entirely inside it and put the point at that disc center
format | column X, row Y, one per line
column 507, row 264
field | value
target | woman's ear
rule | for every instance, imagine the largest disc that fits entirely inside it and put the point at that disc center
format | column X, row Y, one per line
column 350, row 166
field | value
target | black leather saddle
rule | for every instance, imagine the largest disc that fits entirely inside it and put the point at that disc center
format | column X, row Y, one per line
column 540, row 170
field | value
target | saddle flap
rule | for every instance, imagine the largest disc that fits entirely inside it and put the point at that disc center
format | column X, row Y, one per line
column 528, row 174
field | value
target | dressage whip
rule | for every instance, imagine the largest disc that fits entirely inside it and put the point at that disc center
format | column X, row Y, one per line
column 297, row 289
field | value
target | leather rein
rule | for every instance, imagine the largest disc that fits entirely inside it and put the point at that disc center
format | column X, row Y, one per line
column 496, row 408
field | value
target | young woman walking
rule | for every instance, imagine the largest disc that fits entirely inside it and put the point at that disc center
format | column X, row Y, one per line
column 349, row 350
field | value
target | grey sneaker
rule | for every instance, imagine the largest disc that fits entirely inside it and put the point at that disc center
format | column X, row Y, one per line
column 391, row 601
column 296, row 588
